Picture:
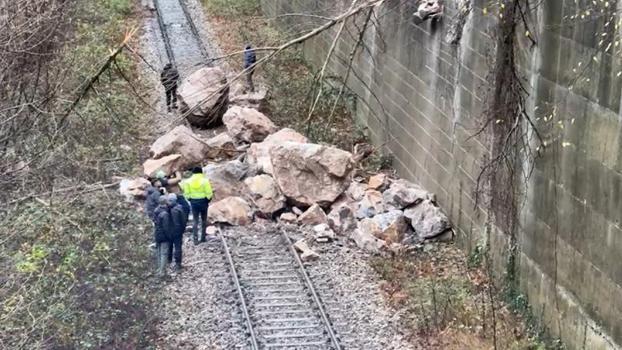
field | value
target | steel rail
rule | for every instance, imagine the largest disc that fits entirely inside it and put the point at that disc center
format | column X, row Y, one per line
column 316, row 298
column 194, row 30
column 238, row 287
column 163, row 31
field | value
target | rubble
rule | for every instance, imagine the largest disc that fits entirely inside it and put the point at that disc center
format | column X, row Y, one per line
column 341, row 218
column 402, row 194
column 232, row 210
column 379, row 182
column 310, row 173
column 313, row 216
column 247, row 124
column 258, row 154
column 370, row 205
column 265, row 194
column 427, row 220
column 367, row 241
column 168, row 164
column 307, row 254
column 204, row 96
column 181, row 140
column 256, row 100
column 288, row 218
column 323, row 233
column 221, row 146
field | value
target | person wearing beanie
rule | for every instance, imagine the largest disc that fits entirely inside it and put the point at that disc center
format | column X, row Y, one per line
column 249, row 61
column 198, row 190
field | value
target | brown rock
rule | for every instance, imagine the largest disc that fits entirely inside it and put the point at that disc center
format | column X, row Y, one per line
column 221, row 146
column 256, row 100
column 265, row 194
column 402, row 194
column 392, row 226
column 169, row 164
column 247, row 124
column 313, row 216
column 258, row 154
column 371, row 205
column 309, row 173
column 427, row 220
column 232, row 210
column 181, row 140
column 378, row 182
column 204, row 96
column 288, row 217
column 307, row 253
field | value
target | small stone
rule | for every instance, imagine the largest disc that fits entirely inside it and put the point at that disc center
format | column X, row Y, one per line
column 378, row 182
column 313, row 216
column 307, row 253
column 288, row 217
column 297, row 211
column 323, row 233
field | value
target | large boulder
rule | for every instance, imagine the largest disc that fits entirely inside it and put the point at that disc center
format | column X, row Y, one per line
column 313, row 216
column 226, row 178
column 427, row 220
column 232, row 210
column 402, row 194
column 181, row 140
column 310, row 173
column 258, row 154
column 168, row 164
column 370, row 205
column 134, row 188
column 265, row 194
column 204, row 97
column 221, row 146
column 247, row 124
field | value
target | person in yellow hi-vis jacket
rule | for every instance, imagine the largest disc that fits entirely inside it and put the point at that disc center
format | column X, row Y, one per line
column 198, row 190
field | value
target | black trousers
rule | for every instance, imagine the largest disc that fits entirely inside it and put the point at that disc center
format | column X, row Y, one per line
column 199, row 212
column 174, row 250
column 171, row 95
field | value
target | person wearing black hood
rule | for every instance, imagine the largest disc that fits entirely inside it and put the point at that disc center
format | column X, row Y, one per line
column 180, row 219
column 169, row 78
column 152, row 194
column 164, row 233
column 249, row 61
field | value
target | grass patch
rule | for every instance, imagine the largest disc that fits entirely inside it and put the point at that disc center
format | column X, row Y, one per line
column 75, row 266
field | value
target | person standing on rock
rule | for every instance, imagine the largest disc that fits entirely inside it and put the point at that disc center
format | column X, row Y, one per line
column 180, row 219
column 198, row 190
column 164, row 234
column 169, row 78
column 249, row 61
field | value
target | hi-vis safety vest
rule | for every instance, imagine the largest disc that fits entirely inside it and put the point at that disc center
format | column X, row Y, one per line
column 197, row 187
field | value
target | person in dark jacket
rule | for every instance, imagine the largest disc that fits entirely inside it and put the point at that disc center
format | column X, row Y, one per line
column 180, row 219
column 249, row 60
column 169, row 78
column 164, row 233
column 152, row 194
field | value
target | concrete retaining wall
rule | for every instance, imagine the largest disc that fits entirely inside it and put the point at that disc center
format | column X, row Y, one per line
column 424, row 93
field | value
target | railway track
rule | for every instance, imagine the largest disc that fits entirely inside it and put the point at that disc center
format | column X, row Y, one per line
column 276, row 298
column 180, row 35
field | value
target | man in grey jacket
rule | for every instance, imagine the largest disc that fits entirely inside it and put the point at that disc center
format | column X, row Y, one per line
column 164, row 233
column 180, row 219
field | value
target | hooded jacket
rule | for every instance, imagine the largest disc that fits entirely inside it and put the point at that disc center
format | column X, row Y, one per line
column 169, row 76
column 164, row 226
column 151, row 201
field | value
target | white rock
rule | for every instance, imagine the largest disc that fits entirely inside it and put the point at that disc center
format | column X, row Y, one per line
column 307, row 253
column 370, row 205
column 288, row 217
column 368, row 242
column 402, row 194
column 427, row 219
column 341, row 218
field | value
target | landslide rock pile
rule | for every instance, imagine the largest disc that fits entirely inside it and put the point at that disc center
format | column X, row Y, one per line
column 258, row 171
